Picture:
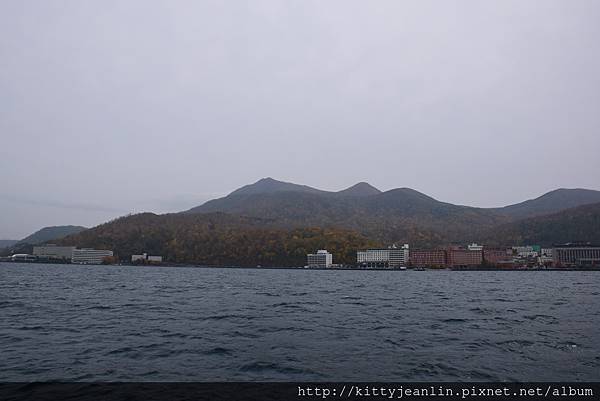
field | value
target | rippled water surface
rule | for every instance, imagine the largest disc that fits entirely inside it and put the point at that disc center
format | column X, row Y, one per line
column 161, row 323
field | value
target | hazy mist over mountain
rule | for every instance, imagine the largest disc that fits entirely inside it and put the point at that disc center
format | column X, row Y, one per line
column 108, row 107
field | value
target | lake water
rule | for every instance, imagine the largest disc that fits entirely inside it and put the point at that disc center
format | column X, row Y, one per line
column 106, row 323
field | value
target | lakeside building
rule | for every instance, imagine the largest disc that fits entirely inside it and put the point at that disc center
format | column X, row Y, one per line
column 138, row 258
column 321, row 259
column 428, row 258
column 576, row 254
column 50, row 251
column 145, row 258
column 390, row 257
column 88, row 256
column 528, row 251
column 23, row 257
column 460, row 257
column 498, row 256
column 545, row 258
column 475, row 247
column 373, row 257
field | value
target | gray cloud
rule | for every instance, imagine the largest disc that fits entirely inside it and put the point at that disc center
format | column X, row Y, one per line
column 144, row 105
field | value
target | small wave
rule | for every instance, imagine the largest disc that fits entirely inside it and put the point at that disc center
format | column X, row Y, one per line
column 427, row 370
column 394, row 343
column 120, row 351
column 12, row 304
column 454, row 320
column 150, row 373
column 226, row 316
column 280, row 329
column 519, row 343
column 543, row 318
column 270, row 366
column 284, row 304
column 99, row 307
column 175, row 335
column 355, row 303
column 217, row 351
column 481, row 375
column 482, row 311
column 83, row 377
column 291, row 305
column 33, row 328
column 238, row 333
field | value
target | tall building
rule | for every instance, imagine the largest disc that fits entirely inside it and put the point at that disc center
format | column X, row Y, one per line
column 576, row 254
column 458, row 257
column 428, row 258
column 373, row 257
column 399, row 256
column 50, row 251
column 390, row 257
column 320, row 259
column 498, row 256
column 89, row 256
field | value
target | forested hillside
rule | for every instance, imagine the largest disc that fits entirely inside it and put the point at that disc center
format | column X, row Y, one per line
column 580, row 224
column 218, row 239
column 273, row 223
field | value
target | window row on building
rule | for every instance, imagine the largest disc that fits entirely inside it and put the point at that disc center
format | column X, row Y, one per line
column 321, row 259
column 75, row 255
column 389, row 257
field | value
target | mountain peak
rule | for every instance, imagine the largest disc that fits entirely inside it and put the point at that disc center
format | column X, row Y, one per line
column 51, row 233
column 360, row 189
column 270, row 185
column 553, row 201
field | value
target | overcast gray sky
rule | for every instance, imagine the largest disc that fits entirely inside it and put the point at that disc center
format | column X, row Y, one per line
column 111, row 107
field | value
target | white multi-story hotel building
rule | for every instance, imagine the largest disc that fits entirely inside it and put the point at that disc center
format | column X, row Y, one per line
column 53, row 252
column 88, row 256
column 320, row 259
column 572, row 255
column 390, row 257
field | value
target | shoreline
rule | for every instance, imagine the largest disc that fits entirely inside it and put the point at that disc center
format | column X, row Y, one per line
column 459, row 269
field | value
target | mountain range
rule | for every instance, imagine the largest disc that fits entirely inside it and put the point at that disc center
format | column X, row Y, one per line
column 44, row 235
column 275, row 222
column 397, row 215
